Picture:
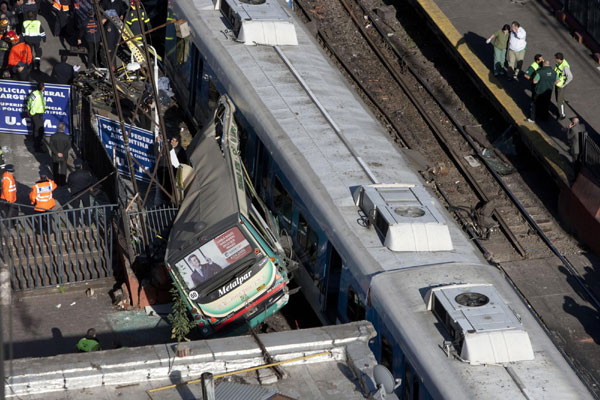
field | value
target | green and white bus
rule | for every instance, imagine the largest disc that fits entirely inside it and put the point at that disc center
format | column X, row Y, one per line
column 223, row 252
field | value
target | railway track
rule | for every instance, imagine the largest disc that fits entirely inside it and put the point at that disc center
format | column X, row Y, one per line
column 500, row 212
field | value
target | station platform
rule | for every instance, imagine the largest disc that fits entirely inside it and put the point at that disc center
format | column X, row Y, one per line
column 466, row 24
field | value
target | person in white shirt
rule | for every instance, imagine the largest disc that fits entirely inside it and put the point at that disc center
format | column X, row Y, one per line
column 516, row 49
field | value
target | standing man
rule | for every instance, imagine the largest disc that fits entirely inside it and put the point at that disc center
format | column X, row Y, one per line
column 179, row 151
column 538, row 62
column 36, row 107
column 62, row 15
column 516, row 49
column 41, row 194
column 132, row 20
column 60, row 143
column 33, row 34
column 564, row 77
column 499, row 40
column 544, row 83
column 575, row 132
column 91, row 35
column 20, row 59
column 79, row 181
column 9, row 192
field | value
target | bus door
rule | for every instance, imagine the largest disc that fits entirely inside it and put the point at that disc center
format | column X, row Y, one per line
column 331, row 288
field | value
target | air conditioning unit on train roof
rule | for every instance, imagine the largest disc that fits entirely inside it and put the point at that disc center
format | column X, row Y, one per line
column 484, row 328
column 259, row 22
column 405, row 217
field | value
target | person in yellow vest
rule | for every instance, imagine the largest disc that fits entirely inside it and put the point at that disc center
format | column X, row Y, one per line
column 33, row 34
column 89, row 342
column 538, row 62
column 36, row 107
column 9, row 192
column 41, row 194
column 564, row 77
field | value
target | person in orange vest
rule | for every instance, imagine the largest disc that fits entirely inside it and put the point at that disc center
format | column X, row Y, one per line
column 41, row 194
column 62, row 13
column 9, row 192
column 20, row 59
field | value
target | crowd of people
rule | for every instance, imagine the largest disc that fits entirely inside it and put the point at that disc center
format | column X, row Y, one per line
column 510, row 45
column 22, row 35
column 22, row 39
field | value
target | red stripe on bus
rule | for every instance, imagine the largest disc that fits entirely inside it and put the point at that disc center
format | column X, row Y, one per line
column 221, row 325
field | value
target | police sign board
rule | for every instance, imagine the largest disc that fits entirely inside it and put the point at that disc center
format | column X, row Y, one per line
column 13, row 107
column 141, row 146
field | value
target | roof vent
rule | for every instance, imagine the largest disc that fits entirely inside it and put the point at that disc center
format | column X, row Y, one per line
column 402, row 217
column 484, row 328
column 259, row 21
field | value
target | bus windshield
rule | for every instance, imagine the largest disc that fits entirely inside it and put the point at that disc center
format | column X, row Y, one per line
column 214, row 256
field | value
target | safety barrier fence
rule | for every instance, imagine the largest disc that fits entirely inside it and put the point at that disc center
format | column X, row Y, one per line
column 591, row 155
column 149, row 229
column 60, row 247
column 587, row 13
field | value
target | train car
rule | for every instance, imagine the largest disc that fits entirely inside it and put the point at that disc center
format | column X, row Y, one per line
column 222, row 253
column 373, row 242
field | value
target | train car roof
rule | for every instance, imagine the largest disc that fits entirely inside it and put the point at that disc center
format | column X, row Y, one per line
column 420, row 334
column 304, row 143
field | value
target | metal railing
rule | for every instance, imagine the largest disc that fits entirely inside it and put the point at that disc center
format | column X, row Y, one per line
column 157, row 224
column 591, row 155
column 58, row 247
column 587, row 13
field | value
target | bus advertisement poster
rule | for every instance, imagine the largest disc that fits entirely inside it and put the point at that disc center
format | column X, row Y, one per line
column 141, row 146
column 13, row 107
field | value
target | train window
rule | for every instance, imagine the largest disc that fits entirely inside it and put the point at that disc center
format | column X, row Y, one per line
column 282, row 201
column 411, row 384
column 387, row 353
column 213, row 95
column 355, row 310
column 308, row 240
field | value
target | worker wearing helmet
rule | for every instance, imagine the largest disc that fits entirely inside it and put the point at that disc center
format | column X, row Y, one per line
column 20, row 59
column 5, row 44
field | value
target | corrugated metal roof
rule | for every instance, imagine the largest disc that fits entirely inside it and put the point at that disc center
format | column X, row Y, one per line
column 235, row 391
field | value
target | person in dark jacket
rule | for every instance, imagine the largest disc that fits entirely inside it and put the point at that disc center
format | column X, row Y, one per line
column 132, row 21
column 8, row 12
column 91, row 34
column 117, row 5
column 112, row 41
column 179, row 151
column 80, row 180
column 60, row 143
column 544, row 83
column 63, row 72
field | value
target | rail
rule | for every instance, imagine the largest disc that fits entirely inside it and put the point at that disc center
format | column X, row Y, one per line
column 60, row 247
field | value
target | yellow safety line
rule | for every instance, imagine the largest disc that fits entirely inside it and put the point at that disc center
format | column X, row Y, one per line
column 539, row 142
column 240, row 371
